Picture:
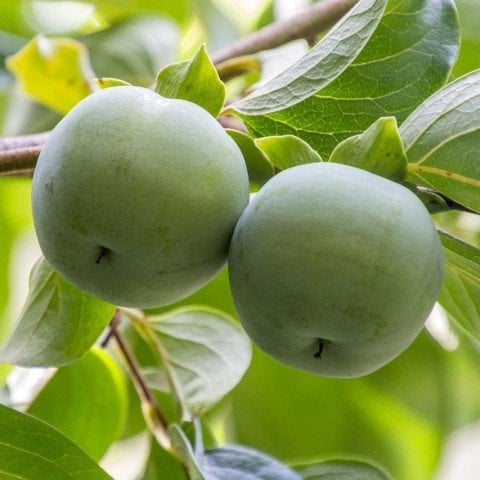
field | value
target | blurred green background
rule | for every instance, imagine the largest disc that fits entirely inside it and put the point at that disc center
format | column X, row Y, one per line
column 405, row 415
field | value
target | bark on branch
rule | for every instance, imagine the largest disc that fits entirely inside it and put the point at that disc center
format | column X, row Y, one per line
column 18, row 155
column 306, row 24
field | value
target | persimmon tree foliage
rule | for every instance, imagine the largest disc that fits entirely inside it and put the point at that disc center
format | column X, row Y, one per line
column 358, row 148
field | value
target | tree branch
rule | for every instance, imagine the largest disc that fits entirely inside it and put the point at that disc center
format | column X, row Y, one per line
column 18, row 155
column 23, row 141
column 18, row 161
column 313, row 20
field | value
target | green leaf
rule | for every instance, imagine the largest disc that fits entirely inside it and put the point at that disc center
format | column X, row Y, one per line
column 30, row 449
column 107, row 82
column 287, row 151
column 53, row 71
column 135, row 49
column 195, row 80
column 441, row 141
column 66, row 403
column 408, row 57
column 434, row 202
column 342, row 469
column 182, row 447
column 378, row 150
column 325, row 62
column 460, row 295
column 219, row 28
column 204, row 353
column 237, row 462
column 58, row 323
column 161, row 464
column 259, row 167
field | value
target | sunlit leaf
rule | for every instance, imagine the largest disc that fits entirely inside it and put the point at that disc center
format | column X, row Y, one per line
column 30, row 449
column 66, row 403
column 53, row 71
column 58, row 323
column 195, row 80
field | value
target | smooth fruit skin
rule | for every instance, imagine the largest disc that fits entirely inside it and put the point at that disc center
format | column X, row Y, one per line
column 327, row 252
column 135, row 197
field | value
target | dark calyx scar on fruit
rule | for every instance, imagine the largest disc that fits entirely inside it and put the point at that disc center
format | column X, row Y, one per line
column 334, row 270
column 321, row 346
column 104, row 251
column 156, row 181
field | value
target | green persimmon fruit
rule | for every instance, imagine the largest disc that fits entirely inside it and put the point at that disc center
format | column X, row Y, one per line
column 334, row 270
column 135, row 197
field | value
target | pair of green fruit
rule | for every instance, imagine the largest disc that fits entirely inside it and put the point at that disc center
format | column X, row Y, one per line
column 135, row 199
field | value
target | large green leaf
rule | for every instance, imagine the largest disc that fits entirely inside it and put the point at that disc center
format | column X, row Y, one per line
column 408, row 57
column 195, row 80
column 135, row 49
column 441, row 141
column 32, row 450
column 58, row 323
column 460, row 295
column 342, row 470
column 205, row 354
column 86, row 401
column 53, row 71
column 235, row 462
column 320, row 66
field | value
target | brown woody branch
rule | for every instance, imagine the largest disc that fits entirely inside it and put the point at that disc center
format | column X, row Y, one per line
column 18, row 155
column 313, row 20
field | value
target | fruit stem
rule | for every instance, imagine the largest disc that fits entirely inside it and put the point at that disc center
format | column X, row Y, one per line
column 237, row 66
column 151, row 409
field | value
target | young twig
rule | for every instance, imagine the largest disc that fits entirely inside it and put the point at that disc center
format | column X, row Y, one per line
column 23, row 141
column 150, row 404
column 19, row 161
column 313, row 20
